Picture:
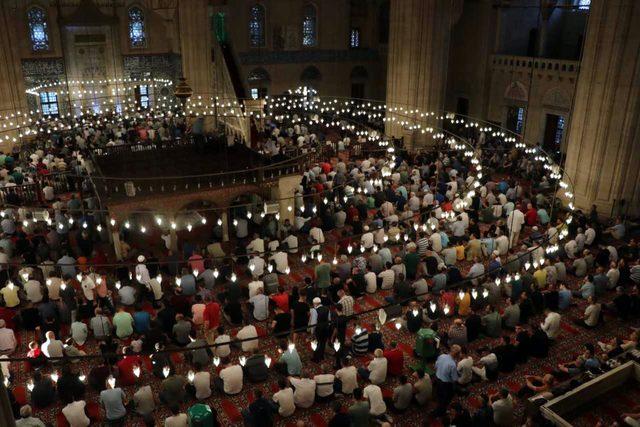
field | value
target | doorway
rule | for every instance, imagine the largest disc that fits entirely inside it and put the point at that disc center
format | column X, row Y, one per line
column 553, row 133
column 515, row 118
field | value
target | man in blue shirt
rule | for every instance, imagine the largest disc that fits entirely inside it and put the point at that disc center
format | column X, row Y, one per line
column 564, row 297
column 141, row 320
column 446, row 378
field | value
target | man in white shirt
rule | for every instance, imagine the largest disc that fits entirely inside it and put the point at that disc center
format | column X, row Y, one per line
column 387, row 276
column 254, row 286
column 256, row 265
column 515, row 221
column 247, row 333
column 305, row 391
column 142, row 272
column 291, row 243
column 75, row 414
column 177, row 419
column 377, row 406
column 88, row 285
column 256, row 245
column 8, row 340
column 376, row 371
column 260, row 304
column 465, row 368
column 324, row 386
column 371, row 281
column 551, row 324
column 33, row 290
column 222, row 351
column 202, row 382
column 230, row 380
column 284, row 399
column 367, row 238
column 348, row 377
column 590, row 236
column 282, row 261
column 316, row 235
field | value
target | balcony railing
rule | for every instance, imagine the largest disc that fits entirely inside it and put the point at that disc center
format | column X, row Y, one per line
column 530, row 63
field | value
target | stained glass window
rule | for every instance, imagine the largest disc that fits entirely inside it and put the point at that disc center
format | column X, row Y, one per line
column 256, row 26
column 49, row 103
column 584, row 4
column 38, row 29
column 559, row 130
column 354, row 38
column 144, row 96
column 309, row 36
column 137, row 35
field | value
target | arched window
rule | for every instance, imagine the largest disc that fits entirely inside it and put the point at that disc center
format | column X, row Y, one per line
column 310, row 76
column 137, row 34
column 38, row 28
column 256, row 26
column 309, row 25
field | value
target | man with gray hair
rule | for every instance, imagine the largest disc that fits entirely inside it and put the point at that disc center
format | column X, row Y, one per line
column 26, row 420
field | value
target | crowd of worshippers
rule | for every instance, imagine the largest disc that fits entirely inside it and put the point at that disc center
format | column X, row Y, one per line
column 427, row 276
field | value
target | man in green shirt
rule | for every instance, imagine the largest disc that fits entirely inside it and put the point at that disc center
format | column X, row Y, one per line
column 323, row 275
column 359, row 411
column 492, row 323
column 290, row 360
column 123, row 323
column 411, row 260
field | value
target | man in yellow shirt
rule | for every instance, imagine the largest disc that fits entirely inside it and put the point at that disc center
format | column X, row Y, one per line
column 10, row 295
column 541, row 277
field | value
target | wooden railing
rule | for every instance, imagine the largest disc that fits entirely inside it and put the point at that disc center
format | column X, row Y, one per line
column 31, row 194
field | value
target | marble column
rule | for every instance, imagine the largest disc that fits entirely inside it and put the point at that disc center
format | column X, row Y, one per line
column 195, row 47
column 603, row 150
column 12, row 90
column 419, row 34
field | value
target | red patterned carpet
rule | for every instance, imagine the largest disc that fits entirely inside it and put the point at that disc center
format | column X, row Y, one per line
column 566, row 348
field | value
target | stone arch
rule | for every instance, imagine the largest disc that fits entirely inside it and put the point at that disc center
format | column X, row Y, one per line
column 310, row 75
column 359, row 74
column 517, row 91
column 557, row 98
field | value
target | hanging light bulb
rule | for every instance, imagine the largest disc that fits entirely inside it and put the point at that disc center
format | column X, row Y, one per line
column 173, row 225
column 319, row 257
column 335, row 261
column 287, row 270
column 314, row 345
column 267, row 360
column 178, row 281
column 127, row 225
column 398, row 325
column 216, row 273
column 118, row 285
column 336, row 345
column 203, row 220
column 196, row 272
column 242, row 360
column 220, row 222
column 136, row 371
column 485, row 293
column 445, row 310
column 234, row 277
column 291, row 347
column 82, row 377
column 166, row 371
column 191, row 376
column 54, row 376
column 461, row 295
column 432, row 307
column 216, row 361
column 30, row 386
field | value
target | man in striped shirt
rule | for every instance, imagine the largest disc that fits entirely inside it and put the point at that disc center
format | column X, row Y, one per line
column 423, row 244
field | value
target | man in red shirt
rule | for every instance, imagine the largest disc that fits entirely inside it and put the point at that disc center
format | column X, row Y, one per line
column 531, row 217
column 126, row 366
column 281, row 299
column 211, row 315
column 395, row 360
